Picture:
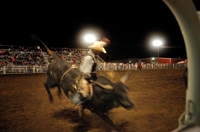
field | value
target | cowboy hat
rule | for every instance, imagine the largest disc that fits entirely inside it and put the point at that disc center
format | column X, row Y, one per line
column 98, row 45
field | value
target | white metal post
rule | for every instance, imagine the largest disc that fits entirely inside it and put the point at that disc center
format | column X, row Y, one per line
column 187, row 18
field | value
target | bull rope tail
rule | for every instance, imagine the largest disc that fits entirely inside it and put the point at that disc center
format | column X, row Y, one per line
column 65, row 73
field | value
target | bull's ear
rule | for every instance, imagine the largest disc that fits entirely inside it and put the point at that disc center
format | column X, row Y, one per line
column 125, row 77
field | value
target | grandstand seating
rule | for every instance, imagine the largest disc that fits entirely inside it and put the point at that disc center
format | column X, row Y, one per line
column 40, row 57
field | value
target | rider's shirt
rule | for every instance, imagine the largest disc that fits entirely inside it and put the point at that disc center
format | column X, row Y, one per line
column 88, row 64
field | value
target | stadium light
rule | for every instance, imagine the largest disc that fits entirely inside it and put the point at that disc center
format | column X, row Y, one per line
column 88, row 34
column 89, row 38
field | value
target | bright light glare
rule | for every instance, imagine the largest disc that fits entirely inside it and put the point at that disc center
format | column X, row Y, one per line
column 88, row 34
column 157, row 43
column 89, row 38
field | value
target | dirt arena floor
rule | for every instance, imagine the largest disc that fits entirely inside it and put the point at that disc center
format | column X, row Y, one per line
column 158, row 95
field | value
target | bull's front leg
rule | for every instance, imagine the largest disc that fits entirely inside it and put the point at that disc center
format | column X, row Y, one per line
column 106, row 118
column 49, row 93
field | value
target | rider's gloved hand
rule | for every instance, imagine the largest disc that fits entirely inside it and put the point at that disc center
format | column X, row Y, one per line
column 90, row 77
column 93, row 76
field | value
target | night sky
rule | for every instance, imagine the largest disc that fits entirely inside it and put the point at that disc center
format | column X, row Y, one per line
column 129, row 25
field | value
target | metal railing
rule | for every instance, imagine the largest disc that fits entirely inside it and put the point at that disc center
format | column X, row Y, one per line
column 22, row 69
column 100, row 67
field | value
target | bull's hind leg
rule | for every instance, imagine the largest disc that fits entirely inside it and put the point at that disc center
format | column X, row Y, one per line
column 59, row 92
column 49, row 93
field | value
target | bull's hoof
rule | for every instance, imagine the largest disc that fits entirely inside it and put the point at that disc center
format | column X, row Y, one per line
column 50, row 99
column 59, row 94
column 120, row 128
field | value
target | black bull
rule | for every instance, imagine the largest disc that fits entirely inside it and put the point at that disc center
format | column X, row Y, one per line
column 61, row 75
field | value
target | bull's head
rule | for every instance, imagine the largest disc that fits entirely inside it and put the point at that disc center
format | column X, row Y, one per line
column 125, row 77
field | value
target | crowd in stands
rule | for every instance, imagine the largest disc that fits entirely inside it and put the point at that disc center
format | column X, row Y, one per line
column 29, row 56
column 21, row 56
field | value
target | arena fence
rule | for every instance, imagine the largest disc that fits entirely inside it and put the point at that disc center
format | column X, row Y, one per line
column 100, row 67
column 22, row 69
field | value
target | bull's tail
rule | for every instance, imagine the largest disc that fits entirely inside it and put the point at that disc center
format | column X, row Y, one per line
column 48, row 50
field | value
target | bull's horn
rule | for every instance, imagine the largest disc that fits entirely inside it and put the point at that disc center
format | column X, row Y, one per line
column 125, row 77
